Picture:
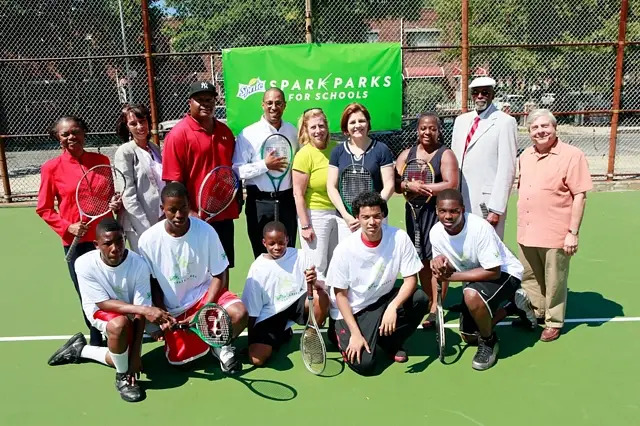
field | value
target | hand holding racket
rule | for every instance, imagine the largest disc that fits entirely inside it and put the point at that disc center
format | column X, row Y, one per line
column 217, row 191
column 211, row 323
column 97, row 191
column 312, row 348
column 275, row 163
column 279, row 146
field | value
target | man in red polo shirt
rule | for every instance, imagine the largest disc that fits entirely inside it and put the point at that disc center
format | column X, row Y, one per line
column 194, row 147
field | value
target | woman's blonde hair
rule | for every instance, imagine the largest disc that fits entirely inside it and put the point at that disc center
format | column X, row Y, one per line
column 303, row 134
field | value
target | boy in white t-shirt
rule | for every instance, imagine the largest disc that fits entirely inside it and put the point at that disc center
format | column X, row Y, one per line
column 188, row 267
column 116, row 299
column 275, row 293
column 368, row 310
column 466, row 248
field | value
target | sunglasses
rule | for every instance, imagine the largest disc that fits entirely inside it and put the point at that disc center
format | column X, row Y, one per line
column 484, row 92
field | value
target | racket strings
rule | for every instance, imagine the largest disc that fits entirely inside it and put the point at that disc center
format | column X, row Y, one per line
column 313, row 353
column 95, row 191
column 218, row 191
column 420, row 171
column 353, row 182
column 214, row 325
column 281, row 148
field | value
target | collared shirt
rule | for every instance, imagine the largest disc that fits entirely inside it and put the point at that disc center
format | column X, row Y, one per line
column 190, row 153
column 547, row 185
column 59, row 178
column 247, row 160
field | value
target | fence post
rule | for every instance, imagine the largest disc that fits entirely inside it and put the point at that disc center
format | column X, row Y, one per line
column 4, row 172
column 153, row 109
column 617, row 87
column 464, row 65
column 307, row 21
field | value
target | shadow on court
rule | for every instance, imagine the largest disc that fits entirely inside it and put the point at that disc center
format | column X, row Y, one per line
column 161, row 375
column 589, row 304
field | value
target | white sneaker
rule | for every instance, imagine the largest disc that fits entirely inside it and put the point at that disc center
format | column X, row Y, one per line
column 524, row 304
column 227, row 357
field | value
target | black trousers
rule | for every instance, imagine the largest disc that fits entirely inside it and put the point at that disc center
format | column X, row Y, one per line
column 259, row 208
column 409, row 316
column 95, row 336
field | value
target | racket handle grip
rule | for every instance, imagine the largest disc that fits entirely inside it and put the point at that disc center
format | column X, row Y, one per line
column 72, row 249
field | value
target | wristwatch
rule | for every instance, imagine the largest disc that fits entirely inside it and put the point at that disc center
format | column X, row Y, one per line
column 304, row 227
column 406, row 186
column 572, row 232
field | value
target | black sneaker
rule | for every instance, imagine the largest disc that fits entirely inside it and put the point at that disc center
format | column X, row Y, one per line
column 487, row 353
column 70, row 352
column 526, row 310
column 129, row 390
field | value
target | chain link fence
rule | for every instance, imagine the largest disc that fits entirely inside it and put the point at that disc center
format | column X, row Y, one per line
column 87, row 58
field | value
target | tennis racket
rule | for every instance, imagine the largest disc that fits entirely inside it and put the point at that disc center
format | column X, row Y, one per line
column 314, row 353
column 217, row 191
column 212, row 324
column 417, row 170
column 94, row 192
column 440, row 338
column 354, row 180
column 281, row 146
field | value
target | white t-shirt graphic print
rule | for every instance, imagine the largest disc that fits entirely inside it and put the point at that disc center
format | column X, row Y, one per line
column 274, row 285
column 477, row 245
column 185, row 265
column 370, row 272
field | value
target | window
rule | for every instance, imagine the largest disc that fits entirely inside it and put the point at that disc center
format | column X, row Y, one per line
column 423, row 37
column 373, row 36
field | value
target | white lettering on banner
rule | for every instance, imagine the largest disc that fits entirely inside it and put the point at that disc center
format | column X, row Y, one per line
column 304, row 86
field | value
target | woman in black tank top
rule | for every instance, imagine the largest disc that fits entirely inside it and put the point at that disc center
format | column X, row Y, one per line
column 430, row 148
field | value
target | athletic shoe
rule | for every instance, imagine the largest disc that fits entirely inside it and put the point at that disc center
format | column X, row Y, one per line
column 487, row 353
column 229, row 363
column 70, row 352
column 524, row 304
column 400, row 356
column 129, row 390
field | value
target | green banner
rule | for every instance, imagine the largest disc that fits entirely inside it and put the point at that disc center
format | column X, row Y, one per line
column 328, row 76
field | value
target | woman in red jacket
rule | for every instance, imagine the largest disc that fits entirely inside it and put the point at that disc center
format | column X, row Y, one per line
column 58, row 180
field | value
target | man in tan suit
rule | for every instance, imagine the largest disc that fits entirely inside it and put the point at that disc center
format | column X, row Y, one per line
column 484, row 142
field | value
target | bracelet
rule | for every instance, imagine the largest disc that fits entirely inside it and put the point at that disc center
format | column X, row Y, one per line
column 406, row 187
column 305, row 227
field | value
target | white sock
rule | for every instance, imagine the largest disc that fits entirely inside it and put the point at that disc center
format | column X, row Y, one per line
column 121, row 361
column 95, row 353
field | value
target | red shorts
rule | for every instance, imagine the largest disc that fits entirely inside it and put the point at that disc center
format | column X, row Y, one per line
column 183, row 346
column 105, row 316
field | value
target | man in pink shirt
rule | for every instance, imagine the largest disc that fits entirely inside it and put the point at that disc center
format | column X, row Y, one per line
column 553, row 182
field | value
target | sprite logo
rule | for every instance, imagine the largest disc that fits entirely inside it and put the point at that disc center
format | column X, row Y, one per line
column 255, row 86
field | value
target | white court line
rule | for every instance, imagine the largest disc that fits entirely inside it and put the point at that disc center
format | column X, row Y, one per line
column 571, row 320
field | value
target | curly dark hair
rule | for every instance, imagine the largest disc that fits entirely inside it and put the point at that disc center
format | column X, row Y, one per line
column 369, row 199
column 53, row 130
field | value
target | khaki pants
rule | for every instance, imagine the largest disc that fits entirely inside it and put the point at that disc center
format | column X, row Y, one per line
column 545, row 280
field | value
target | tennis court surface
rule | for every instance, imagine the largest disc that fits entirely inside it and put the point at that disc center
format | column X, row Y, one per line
column 587, row 377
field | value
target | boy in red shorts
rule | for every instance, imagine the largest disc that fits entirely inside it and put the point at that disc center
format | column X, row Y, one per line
column 116, row 299
column 188, row 267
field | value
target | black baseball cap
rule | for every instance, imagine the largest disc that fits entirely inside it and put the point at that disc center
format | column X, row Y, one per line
column 202, row 86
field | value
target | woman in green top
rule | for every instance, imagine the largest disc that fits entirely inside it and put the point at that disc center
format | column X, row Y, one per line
column 317, row 218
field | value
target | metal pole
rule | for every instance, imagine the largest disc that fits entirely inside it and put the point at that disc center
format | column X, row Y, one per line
column 124, row 48
column 4, row 172
column 153, row 109
column 617, row 88
column 464, row 71
column 307, row 21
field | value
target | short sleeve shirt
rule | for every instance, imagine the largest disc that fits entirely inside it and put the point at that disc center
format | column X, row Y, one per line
column 315, row 163
column 546, row 188
column 368, row 273
column 184, row 265
column 190, row 153
column 377, row 156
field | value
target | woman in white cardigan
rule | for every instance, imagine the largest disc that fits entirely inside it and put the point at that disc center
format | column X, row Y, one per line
column 140, row 161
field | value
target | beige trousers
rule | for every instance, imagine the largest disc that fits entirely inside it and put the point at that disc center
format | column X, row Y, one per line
column 545, row 275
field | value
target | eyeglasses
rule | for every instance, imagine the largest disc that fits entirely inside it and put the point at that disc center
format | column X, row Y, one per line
column 483, row 92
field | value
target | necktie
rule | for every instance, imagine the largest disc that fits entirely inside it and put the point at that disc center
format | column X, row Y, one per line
column 474, row 126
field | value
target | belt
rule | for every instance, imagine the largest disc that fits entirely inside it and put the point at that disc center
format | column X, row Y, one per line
column 254, row 192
